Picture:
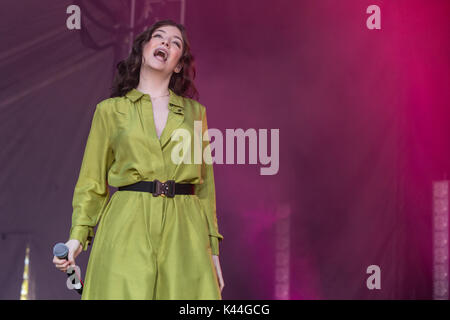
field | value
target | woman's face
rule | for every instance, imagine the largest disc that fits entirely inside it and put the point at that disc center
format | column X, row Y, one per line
column 164, row 49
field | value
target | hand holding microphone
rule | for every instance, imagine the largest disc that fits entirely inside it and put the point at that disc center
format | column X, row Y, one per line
column 64, row 256
column 63, row 262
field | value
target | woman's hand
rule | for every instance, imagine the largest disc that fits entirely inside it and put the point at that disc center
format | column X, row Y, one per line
column 218, row 271
column 75, row 249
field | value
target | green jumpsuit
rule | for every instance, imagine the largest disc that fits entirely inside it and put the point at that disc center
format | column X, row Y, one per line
column 145, row 246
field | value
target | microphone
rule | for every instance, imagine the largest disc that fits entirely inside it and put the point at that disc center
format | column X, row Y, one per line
column 61, row 251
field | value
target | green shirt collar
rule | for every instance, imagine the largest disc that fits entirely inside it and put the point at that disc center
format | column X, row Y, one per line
column 174, row 99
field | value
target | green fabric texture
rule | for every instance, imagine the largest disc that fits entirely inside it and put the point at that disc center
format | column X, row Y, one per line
column 147, row 247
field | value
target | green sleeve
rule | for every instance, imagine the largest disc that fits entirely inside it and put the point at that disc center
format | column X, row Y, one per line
column 91, row 193
column 206, row 190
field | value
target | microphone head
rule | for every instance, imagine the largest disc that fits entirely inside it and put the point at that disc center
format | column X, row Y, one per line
column 60, row 250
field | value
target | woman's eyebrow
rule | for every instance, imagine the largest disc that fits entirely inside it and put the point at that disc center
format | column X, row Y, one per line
column 174, row 36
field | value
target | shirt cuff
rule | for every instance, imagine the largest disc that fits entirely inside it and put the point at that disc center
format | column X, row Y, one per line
column 83, row 234
column 214, row 242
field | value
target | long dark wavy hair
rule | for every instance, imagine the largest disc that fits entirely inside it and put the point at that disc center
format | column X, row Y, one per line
column 128, row 70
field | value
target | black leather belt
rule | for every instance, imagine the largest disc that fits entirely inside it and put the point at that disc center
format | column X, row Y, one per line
column 163, row 189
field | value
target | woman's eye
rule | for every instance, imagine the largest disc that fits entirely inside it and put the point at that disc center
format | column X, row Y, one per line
column 177, row 43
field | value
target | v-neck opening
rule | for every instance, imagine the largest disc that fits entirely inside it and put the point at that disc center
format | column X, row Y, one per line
column 174, row 118
column 165, row 124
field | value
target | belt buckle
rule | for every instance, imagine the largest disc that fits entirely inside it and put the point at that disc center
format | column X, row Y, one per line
column 164, row 189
